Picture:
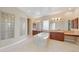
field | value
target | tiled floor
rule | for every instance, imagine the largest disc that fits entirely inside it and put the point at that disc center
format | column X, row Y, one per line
column 52, row 46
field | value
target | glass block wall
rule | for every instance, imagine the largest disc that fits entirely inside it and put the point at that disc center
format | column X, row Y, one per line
column 7, row 26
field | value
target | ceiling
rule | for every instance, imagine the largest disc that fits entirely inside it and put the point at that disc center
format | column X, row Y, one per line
column 44, row 11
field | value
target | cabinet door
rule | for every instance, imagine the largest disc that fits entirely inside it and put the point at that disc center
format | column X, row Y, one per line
column 57, row 36
column 34, row 32
column 75, row 23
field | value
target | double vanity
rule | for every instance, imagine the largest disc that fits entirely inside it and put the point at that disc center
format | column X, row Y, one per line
column 60, row 31
column 59, row 35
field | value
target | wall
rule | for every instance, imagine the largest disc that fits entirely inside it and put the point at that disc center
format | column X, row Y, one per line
column 18, row 14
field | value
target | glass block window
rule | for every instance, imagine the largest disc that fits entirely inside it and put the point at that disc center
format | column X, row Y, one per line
column 7, row 26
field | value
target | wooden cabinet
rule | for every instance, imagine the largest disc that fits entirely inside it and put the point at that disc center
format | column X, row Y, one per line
column 34, row 32
column 56, row 36
column 75, row 23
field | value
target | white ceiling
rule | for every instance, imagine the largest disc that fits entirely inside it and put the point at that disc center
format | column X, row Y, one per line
column 43, row 11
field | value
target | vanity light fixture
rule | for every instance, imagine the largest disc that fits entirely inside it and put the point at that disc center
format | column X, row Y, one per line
column 56, row 19
column 28, row 11
column 59, row 18
column 38, row 13
column 69, row 9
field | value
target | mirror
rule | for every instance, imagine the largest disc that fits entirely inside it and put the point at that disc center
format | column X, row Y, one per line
column 67, row 25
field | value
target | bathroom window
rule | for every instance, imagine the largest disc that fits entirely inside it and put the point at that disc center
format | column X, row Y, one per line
column 46, row 25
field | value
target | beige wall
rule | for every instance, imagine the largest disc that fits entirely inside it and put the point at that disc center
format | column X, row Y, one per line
column 31, row 20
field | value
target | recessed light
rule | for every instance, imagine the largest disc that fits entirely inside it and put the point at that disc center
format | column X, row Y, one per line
column 37, row 13
column 28, row 11
column 69, row 9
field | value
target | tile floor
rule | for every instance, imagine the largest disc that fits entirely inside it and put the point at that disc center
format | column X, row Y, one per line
column 28, row 45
